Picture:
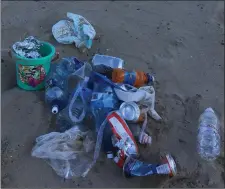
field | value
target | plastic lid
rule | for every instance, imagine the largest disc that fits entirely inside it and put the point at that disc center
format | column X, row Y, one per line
column 55, row 109
column 209, row 110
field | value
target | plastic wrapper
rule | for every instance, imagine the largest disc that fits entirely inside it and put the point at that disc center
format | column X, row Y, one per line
column 28, row 48
column 66, row 153
column 79, row 30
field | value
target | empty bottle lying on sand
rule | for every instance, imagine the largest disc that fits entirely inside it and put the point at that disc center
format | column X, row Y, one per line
column 57, row 92
column 134, row 78
column 118, row 75
column 208, row 135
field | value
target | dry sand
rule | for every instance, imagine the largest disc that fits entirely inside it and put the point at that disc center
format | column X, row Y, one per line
column 181, row 43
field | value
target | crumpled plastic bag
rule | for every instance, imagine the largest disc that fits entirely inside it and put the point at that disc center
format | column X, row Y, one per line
column 79, row 30
column 28, row 48
column 67, row 153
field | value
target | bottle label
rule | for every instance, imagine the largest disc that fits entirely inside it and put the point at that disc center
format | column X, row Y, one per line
column 130, row 78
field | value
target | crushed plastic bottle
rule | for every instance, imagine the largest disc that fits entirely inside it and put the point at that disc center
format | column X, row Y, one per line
column 135, row 167
column 208, row 135
column 110, row 61
column 57, row 93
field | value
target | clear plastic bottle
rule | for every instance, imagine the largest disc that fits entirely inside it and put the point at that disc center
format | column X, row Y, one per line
column 57, row 93
column 208, row 135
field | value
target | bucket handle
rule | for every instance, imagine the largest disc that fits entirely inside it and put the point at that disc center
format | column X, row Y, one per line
column 56, row 56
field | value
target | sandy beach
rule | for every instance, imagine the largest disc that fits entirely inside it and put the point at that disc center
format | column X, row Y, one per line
column 180, row 43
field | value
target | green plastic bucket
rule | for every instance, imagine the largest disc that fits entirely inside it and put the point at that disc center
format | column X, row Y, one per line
column 30, row 73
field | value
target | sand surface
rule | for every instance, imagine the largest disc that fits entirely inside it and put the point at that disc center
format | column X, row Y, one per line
column 181, row 43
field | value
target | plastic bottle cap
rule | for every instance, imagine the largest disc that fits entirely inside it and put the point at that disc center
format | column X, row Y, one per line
column 55, row 109
column 209, row 110
column 110, row 156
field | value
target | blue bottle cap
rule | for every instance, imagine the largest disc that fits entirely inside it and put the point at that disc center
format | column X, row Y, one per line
column 151, row 78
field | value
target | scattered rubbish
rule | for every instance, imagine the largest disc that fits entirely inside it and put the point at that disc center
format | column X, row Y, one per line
column 110, row 61
column 130, row 111
column 116, row 107
column 135, row 78
column 57, row 92
column 29, row 48
column 208, row 135
column 78, row 31
column 64, row 152
column 135, row 167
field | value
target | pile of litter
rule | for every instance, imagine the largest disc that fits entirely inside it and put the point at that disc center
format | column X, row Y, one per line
column 106, row 94
column 108, row 109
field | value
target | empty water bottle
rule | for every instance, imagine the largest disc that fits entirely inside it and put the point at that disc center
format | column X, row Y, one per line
column 208, row 135
column 57, row 93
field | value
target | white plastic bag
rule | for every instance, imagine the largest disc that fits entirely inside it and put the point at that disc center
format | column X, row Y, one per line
column 65, row 152
column 79, row 30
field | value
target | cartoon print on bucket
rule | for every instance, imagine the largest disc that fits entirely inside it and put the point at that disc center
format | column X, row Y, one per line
column 31, row 75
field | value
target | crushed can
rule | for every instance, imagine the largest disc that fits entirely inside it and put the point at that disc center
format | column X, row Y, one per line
column 125, row 138
column 130, row 111
column 135, row 167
